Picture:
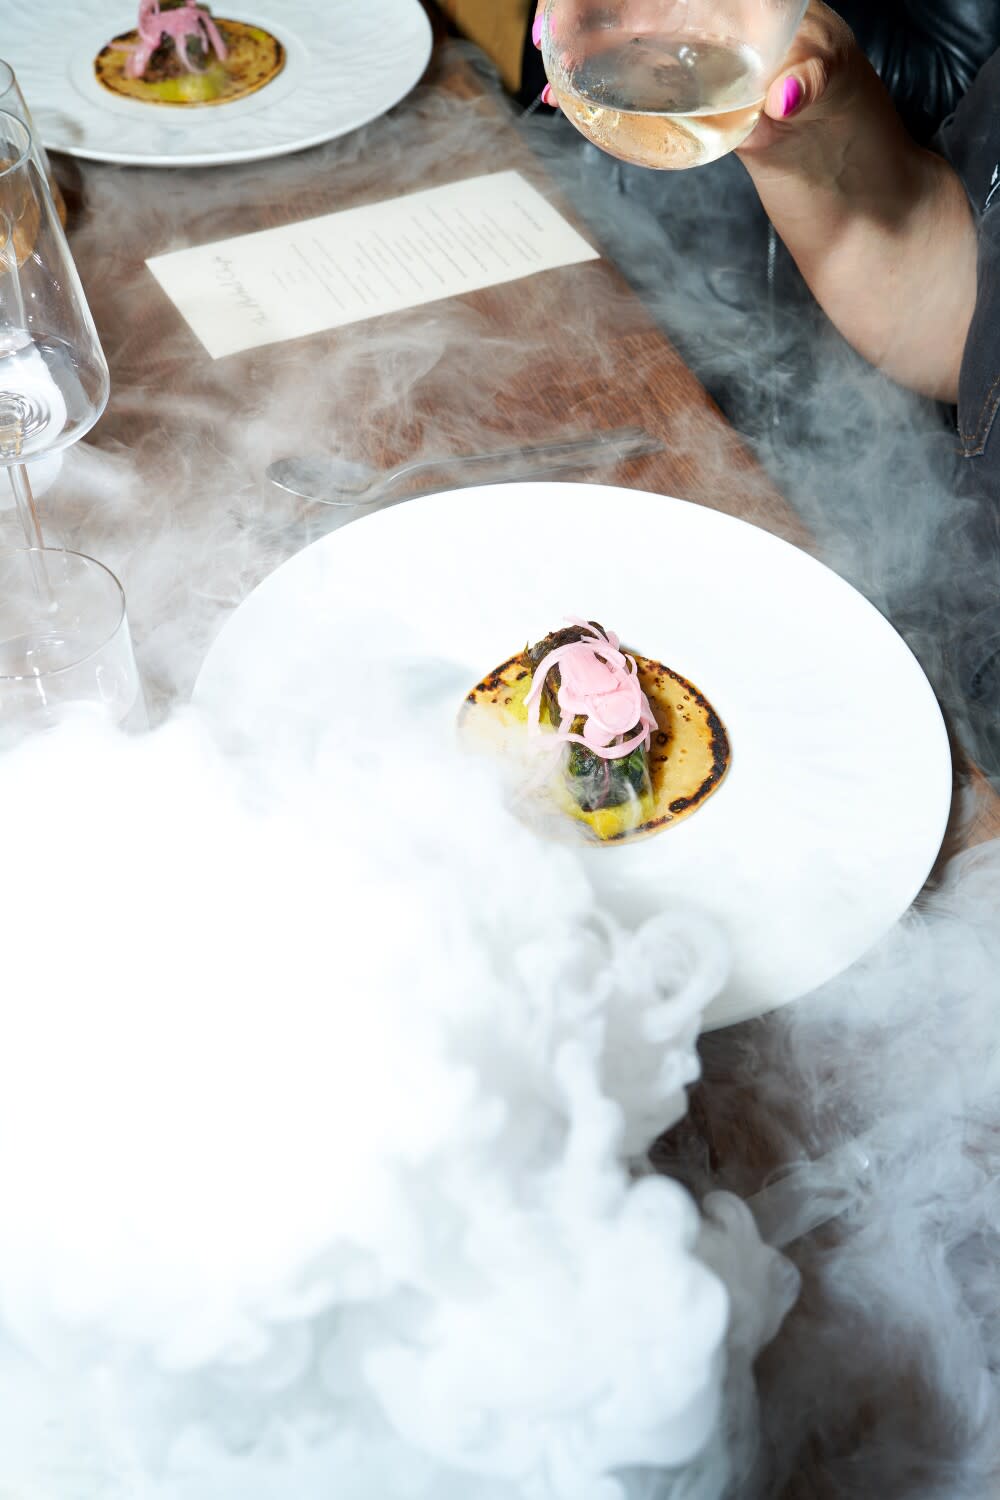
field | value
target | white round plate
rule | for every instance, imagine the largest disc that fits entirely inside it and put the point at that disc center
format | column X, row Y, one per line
column 836, row 803
column 347, row 62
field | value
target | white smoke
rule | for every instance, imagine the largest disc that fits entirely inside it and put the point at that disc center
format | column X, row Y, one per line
column 317, row 1100
column 884, row 1379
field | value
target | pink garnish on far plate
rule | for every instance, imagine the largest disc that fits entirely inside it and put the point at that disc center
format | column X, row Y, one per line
column 188, row 21
column 601, row 682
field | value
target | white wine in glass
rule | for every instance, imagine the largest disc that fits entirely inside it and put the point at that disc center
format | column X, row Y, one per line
column 666, row 84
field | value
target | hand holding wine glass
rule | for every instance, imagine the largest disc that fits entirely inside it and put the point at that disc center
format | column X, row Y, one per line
column 816, row 75
column 664, row 83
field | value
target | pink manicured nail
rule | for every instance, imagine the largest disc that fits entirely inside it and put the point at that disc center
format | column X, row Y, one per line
column 536, row 31
column 791, row 97
column 547, row 95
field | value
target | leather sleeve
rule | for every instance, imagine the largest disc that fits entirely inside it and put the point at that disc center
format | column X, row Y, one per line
column 927, row 51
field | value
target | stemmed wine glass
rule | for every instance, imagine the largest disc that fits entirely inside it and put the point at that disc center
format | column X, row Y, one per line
column 665, row 83
column 64, row 636
column 54, row 379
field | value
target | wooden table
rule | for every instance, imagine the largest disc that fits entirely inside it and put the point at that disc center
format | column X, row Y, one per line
column 186, row 440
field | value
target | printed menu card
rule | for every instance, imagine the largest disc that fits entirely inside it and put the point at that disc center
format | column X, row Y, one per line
column 344, row 267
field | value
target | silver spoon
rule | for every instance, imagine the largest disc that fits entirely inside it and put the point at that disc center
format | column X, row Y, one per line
column 338, row 481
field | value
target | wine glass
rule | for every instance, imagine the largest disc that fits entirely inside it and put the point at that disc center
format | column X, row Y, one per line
column 13, row 102
column 65, row 648
column 54, row 379
column 665, row 83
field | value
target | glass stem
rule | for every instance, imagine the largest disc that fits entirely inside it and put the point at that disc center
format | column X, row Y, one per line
column 21, row 486
column 25, row 501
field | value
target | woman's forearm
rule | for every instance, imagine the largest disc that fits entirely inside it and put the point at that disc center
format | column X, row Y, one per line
column 880, row 229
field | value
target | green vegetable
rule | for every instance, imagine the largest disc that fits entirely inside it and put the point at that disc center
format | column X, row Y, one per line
column 594, row 782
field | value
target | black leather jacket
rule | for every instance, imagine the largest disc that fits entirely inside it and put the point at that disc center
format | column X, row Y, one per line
column 927, row 51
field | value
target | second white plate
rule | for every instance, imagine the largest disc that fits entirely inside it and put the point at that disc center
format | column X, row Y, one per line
column 840, row 787
column 346, row 64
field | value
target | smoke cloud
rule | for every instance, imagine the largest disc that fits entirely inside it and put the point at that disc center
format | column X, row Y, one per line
column 316, row 1114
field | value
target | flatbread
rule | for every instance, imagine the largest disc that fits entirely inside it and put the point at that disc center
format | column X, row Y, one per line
column 688, row 758
column 255, row 57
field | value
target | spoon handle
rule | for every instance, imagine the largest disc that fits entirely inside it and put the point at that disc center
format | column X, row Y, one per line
column 612, row 445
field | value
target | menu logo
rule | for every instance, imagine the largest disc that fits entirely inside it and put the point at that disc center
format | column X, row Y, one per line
column 228, row 277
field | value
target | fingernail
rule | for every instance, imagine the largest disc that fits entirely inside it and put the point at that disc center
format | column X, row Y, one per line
column 536, row 31
column 791, row 97
column 547, row 95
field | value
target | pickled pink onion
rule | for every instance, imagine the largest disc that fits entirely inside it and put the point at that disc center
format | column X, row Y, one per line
column 190, row 20
column 600, row 682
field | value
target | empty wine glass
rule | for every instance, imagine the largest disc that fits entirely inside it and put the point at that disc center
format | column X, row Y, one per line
column 64, row 649
column 665, row 83
column 54, row 379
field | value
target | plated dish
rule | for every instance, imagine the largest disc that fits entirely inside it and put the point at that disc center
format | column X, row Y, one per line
column 837, row 793
column 296, row 73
